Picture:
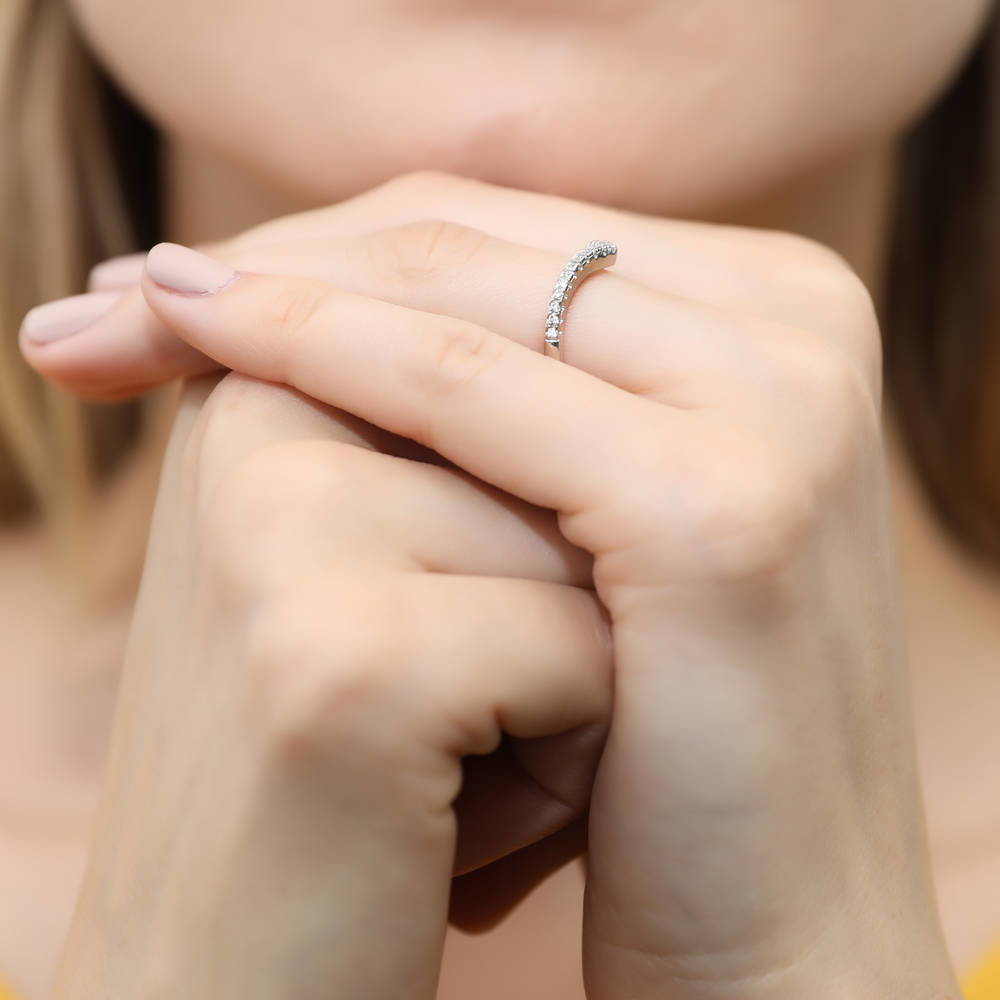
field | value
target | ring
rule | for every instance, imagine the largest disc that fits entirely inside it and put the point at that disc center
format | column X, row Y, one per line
column 597, row 254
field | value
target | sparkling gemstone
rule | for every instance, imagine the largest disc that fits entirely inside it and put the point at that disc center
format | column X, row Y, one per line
column 573, row 272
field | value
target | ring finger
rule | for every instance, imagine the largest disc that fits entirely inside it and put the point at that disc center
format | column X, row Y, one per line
column 444, row 268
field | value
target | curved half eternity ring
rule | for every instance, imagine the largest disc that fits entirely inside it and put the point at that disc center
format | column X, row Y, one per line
column 597, row 254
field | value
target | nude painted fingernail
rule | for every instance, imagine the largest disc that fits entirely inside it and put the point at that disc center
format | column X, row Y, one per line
column 64, row 317
column 117, row 272
column 182, row 269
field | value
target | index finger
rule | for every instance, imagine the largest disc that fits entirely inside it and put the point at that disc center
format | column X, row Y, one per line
column 468, row 393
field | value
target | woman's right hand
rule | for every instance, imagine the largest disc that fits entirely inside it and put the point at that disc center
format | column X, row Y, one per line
column 325, row 628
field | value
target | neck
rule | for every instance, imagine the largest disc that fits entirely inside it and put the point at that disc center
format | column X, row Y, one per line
column 65, row 623
column 845, row 205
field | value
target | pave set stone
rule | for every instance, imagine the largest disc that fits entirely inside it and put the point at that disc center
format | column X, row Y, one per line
column 580, row 264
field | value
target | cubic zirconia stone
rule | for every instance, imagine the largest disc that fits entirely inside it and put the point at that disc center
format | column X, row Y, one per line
column 573, row 272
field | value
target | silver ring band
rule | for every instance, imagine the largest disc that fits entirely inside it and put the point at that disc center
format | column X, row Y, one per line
column 597, row 254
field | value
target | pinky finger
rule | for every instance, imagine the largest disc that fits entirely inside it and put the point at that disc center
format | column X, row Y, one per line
column 420, row 670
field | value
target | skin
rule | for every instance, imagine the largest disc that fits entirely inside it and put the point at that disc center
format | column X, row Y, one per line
column 747, row 576
column 348, row 763
column 737, row 170
column 715, row 102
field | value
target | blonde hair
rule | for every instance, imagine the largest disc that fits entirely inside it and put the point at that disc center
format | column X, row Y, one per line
column 62, row 208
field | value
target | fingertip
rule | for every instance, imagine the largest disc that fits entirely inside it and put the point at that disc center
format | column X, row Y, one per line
column 105, row 346
column 63, row 318
column 180, row 269
column 119, row 273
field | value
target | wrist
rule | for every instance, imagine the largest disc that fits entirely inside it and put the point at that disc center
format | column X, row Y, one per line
column 912, row 967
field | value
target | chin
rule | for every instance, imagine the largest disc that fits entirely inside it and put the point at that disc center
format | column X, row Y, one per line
column 685, row 163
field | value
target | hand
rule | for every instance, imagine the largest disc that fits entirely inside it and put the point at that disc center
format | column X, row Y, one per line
column 756, row 827
column 324, row 629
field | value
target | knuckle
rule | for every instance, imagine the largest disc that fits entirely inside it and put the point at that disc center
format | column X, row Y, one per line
column 757, row 519
column 827, row 272
column 459, row 353
column 293, row 308
column 243, row 518
column 847, row 285
column 219, row 401
column 420, row 186
column 745, row 500
column 827, row 375
column 842, row 406
column 836, row 290
column 803, row 254
column 426, row 248
column 849, row 300
column 229, row 400
column 315, row 678
column 725, row 506
column 858, row 317
column 286, row 477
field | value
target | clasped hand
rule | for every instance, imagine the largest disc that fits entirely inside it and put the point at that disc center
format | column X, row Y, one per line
column 420, row 601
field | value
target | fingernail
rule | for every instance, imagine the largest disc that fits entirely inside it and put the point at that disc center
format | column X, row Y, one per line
column 64, row 317
column 182, row 269
column 117, row 272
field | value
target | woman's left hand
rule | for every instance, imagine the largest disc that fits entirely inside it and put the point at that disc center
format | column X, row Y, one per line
column 756, row 825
